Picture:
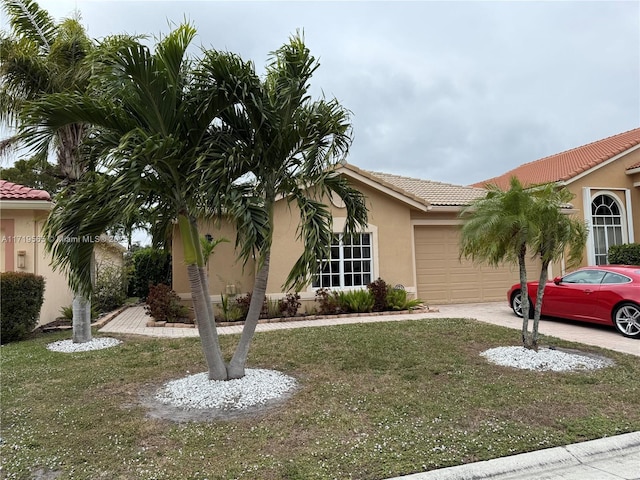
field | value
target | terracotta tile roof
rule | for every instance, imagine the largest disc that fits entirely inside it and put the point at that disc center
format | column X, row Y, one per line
column 566, row 165
column 436, row 193
column 13, row 191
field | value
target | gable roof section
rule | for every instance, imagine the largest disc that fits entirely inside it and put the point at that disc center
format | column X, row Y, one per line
column 414, row 190
column 567, row 165
column 13, row 191
column 635, row 168
column 436, row 193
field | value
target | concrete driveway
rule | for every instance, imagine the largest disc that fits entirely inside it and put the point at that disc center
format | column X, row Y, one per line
column 499, row 313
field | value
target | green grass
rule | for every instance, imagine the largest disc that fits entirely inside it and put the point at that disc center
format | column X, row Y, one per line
column 375, row 401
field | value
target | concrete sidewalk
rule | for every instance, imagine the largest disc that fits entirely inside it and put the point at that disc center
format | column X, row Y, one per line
column 134, row 321
column 603, row 459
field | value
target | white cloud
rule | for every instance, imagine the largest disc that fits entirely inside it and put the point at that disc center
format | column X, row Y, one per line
column 450, row 91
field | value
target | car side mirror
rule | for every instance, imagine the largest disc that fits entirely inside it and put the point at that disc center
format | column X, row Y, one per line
column 557, row 280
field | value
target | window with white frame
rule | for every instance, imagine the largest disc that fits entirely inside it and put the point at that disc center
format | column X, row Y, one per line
column 606, row 221
column 350, row 263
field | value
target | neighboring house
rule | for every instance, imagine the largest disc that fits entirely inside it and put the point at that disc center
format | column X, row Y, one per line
column 412, row 239
column 604, row 176
column 23, row 211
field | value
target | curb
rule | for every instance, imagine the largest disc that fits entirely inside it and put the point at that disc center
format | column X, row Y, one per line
column 536, row 465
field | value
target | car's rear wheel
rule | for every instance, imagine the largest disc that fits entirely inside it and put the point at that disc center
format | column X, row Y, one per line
column 626, row 318
column 516, row 304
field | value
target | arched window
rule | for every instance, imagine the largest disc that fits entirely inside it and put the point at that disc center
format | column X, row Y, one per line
column 607, row 226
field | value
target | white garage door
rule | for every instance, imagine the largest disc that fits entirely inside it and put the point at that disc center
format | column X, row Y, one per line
column 442, row 278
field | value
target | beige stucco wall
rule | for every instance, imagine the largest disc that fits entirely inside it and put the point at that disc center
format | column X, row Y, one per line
column 390, row 226
column 27, row 237
column 610, row 179
column 225, row 270
column 389, row 223
column 22, row 232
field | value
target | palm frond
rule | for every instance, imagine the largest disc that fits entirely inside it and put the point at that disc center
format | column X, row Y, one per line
column 81, row 214
column 28, row 20
column 498, row 226
column 315, row 231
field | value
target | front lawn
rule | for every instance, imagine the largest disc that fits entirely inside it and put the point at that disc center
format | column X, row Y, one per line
column 374, row 401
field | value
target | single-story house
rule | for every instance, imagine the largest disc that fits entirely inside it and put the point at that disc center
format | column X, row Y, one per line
column 23, row 211
column 412, row 239
column 604, row 176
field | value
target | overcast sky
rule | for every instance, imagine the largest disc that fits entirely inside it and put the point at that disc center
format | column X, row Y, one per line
column 454, row 91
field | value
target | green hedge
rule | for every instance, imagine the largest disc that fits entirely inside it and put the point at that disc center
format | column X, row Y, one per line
column 21, row 296
column 627, row 254
column 150, row 266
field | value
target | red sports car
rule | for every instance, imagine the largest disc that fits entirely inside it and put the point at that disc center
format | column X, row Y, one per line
column 607, row 294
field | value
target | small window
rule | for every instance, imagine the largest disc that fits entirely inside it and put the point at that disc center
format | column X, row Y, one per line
column 615, row 278
column 350, row 265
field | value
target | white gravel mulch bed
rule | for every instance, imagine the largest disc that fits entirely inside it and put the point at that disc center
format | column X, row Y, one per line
column 545, row 359
column 257, row 387
column 67, row 346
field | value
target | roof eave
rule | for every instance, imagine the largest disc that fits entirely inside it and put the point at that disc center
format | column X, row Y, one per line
column 12, row 204
column 600, row 165
column 447, row 208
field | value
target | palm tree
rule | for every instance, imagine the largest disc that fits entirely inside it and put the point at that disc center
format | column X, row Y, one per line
column 291, row 146
column 39, row 58
column 153, row 126
column 557, row 235
column 175, row 135
column 497, row 229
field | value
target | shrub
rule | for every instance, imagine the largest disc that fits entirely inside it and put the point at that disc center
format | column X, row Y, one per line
column 21, row 296
column 149, row 266
column 66, row 312
column 627, row 254
column 163, row 304
column 288, row 306
column 110, row 291
column 244, row 302
column 229, row 311
column 328, row 302
column 285, row 307
column 397, row 300
column 356, row 301
column 379, row 289
column 273, row 307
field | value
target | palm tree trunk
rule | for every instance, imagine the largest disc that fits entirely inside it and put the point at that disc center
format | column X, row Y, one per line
column 524, row 295
column 200, row 297
column 206, row 330
column 71, row 167
column 235, row 368
column 81, row 309
column 542, row 281
column 81, row 323
column 204, row 278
